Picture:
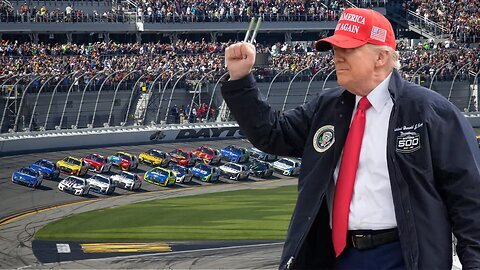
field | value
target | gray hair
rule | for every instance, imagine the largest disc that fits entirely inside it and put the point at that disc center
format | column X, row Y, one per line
column 394, row 55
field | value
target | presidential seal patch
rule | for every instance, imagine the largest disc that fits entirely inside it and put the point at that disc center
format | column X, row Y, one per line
column 324, row 138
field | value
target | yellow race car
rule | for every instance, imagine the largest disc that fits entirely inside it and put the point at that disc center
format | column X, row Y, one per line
column 154, row 157
column 72, row 165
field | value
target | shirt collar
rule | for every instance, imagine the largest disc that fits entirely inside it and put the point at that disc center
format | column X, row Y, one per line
column 379, row 96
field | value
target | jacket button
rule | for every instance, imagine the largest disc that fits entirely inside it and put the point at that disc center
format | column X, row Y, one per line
column 340, row 115
column 309, row 218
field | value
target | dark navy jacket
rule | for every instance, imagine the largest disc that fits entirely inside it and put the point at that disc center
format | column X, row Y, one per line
column 433, row 162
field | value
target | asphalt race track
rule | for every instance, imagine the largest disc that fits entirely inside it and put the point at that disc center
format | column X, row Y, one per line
column 24, row 210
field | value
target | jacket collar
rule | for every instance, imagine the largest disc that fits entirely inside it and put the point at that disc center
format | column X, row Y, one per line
column 394, row 88
column 396, row 85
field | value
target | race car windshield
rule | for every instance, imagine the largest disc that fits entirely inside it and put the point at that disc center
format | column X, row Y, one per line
column 101, row 179
column 45, row 164
column 179, row 169
column 203, row 168
column 156, row 154
column 28, row 172
column 259, row 166
column 73, row 161
column 127, row 175
column 180, row 153
column 160, row 172
column 123, row 156
column 96, row 158
column 287, row 162
column 206, row 151
column 79, row 182
column 234, row 166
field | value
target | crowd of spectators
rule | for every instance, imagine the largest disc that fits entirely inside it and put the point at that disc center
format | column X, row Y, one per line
column 157, row 59
column 239, row 10
column 461, row 18
column 190, row 11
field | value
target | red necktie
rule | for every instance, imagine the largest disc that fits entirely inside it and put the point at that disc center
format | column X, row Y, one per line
column 346, row 177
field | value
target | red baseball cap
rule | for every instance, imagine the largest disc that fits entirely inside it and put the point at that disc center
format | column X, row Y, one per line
column 358, row 26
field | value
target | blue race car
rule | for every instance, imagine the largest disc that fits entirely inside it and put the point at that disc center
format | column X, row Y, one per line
column 47, row 168
column 205, row 172
column 27, row 176
column 160, row 176
column 234, row 154
column 181, row 173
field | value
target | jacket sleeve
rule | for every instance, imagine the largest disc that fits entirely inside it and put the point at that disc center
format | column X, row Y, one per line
column 456, row 161
column 280, row 133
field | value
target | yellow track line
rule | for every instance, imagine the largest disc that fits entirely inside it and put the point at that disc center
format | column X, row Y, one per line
column 125, row 247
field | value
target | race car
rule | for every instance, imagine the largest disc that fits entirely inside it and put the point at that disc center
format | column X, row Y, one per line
column 234, row 171
column 72, row 165
column 260, row 168
column 478, row 140
column 74, row 185
column 154, row 157
column 207, row 155
column 124, row 161
column 160, row 176
column 98, row 163
column 182, row 174
column 47, row 168
column 101, row 184
column 287, row 166
column 234, row 154
column 182, row 157
column 260, row 155
column 205, row 173
column 127, row 180
column 27, row 176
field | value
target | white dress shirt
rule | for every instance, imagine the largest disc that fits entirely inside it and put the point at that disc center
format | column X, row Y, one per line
column 372, row 207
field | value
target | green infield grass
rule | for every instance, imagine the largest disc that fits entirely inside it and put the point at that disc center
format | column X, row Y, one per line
column 253, row 214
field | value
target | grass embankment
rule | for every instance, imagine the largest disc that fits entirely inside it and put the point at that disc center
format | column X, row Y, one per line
column 254, row 214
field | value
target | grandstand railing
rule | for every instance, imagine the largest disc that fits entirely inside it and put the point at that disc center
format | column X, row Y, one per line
column 430, row 27
column 32, row 108
column 132, row 18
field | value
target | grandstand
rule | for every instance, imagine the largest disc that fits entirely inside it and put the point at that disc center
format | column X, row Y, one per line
column 97, row 63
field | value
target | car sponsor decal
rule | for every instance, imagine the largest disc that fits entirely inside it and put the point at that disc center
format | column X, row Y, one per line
column 324, row 138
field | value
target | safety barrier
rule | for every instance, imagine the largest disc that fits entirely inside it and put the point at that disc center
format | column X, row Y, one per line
column 28, row 142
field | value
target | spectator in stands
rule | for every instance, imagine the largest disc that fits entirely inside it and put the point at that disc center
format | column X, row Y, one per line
column 373, row 206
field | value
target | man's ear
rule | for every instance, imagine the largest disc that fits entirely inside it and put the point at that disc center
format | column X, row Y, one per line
column 382, row 58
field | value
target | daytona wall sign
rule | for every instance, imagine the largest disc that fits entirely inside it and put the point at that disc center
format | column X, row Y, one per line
column 198, row 133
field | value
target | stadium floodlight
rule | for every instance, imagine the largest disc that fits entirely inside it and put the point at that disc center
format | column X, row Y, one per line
column 250, row 28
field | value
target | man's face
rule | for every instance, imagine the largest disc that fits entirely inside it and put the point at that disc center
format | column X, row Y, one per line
column 355, row 67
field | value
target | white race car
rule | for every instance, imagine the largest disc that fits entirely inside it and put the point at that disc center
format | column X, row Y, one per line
column 234, row 171
column 287, row 166
column 101, row 184
column 74, row 185
column 127, row 180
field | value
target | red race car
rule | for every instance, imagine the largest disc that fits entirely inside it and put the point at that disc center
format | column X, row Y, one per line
column 98, row 163
column 183, row 157
column 207, row 154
